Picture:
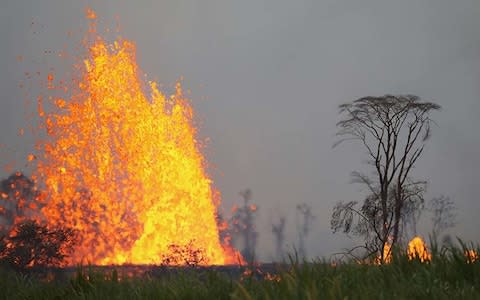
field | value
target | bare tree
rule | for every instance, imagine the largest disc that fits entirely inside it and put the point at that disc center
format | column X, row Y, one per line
column 303, row 228
column 243, row 225
column 443, row 214
column 278, row 231
column 393, row 130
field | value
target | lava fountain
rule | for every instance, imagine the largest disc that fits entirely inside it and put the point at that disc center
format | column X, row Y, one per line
column 123, row 166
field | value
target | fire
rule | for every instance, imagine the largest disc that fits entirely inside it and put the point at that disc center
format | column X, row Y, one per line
column 417, row 249
column 123, row 167
column 387, row 255
column 471, row 256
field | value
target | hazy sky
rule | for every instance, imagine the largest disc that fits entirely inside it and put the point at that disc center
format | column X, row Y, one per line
column 266, row 79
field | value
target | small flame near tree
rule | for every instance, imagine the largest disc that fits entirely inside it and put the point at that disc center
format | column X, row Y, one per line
column 417, row 249
column 387, row 255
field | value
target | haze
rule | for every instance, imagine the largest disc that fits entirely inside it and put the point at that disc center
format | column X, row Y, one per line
column 266, row 78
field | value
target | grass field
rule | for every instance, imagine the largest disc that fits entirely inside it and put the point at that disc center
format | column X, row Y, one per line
column 449, row 275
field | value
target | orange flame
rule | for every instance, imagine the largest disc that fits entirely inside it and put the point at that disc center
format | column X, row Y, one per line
column 124, row 168
column 417, row 249
column 387, row 255
column 471, row 256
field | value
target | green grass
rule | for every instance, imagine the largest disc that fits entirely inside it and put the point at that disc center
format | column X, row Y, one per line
column 447, row 276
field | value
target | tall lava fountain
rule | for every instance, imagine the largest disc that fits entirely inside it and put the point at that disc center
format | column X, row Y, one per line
column 124, row 168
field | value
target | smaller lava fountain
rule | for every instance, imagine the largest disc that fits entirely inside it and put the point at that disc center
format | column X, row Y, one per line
column 124, row 169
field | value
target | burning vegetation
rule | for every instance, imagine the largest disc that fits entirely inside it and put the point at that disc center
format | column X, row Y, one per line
column 417, row 249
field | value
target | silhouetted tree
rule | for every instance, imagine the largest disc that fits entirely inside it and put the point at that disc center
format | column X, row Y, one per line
column 31, row 244
column 243, row 225
column 305, row 212
column 393, row 130
column 278, row 231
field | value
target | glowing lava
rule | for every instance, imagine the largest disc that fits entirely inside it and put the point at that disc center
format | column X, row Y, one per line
column 123, row 167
